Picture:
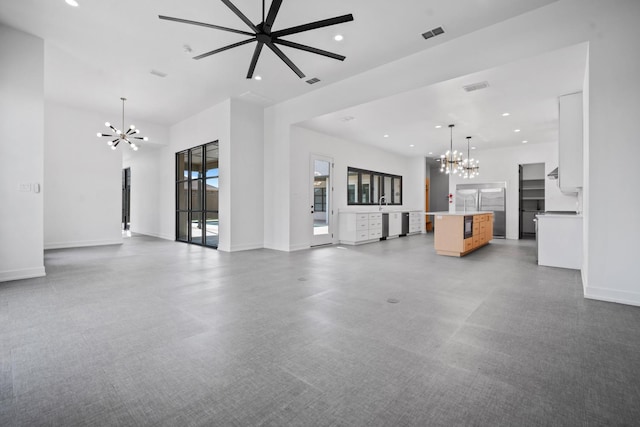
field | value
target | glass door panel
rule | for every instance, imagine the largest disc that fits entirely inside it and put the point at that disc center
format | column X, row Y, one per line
column 196, row 227
column 197, row 196
column 183, row 227
column 211, row 229
column 320, row 195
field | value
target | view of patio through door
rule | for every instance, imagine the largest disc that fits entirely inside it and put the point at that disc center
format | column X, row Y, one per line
column 197, row 195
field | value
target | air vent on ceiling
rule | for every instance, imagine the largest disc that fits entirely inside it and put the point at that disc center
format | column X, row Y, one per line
column 313, row 80
column 158, row 73
column 433, row 33
column 347, row 118
column 476, row 86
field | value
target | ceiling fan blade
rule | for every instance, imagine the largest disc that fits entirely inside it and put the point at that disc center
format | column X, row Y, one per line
column 310, row 49
column 313, row 25
column 286, row 60
column 213, row 52
column 202, row 24
column 254, row 59
column 240, row 15
column 271, row 16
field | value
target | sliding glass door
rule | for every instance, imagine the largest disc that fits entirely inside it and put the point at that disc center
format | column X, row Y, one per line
column 197, row 195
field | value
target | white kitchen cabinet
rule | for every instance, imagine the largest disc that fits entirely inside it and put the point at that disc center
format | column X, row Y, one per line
column 359, row 227
column 395, row 224
column 416, row 218
column 560, row 240
column 570, row 143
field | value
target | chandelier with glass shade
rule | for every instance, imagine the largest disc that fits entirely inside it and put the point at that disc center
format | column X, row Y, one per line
column 470, row 167
column 451, row 161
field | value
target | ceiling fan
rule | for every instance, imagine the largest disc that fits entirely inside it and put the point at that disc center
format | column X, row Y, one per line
column 264, row 36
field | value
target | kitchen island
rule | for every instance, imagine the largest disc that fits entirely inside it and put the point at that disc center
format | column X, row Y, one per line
column 459, row 233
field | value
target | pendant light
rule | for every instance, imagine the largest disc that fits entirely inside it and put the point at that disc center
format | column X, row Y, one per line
column 470, row 166
column 451, row 161
column 121, row 135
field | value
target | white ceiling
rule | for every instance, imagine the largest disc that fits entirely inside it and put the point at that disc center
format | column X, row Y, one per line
column 528, row 90
column 102, row 50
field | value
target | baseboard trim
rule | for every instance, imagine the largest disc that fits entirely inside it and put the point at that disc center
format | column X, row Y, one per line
column 612, row 295
column 158, row 235
column 82, row 243
column 294, row 248
column 25, row 273
column 247, row 247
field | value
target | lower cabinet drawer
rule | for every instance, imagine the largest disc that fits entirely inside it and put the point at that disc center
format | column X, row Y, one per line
column 468, row 244
column 362, row 225
column 375, row 234
column 362, row 235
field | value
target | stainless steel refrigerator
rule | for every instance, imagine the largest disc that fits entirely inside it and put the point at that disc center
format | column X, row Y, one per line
column 484, row 197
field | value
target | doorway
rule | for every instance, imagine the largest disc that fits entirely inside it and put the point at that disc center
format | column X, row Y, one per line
column 197, row 176
column 321, row 200
column 126, row 199
column 532, row 187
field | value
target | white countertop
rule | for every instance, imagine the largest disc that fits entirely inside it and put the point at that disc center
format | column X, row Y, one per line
column 384, row 210
column 551, row 215
column 458, row 213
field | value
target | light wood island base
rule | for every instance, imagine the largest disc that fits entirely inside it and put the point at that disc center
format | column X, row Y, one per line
column 449, row 232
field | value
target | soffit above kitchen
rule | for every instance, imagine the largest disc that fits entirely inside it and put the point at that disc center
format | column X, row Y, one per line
column 102, row 50
column 490, row 106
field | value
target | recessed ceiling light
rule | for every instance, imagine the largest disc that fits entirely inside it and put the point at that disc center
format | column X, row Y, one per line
column 257, row 77
column 473, row 148
column 438, row 126
column 386, row 135
column 505, row 114
column 430, row 152
column 516, row 130
column 338, row 37
column 411, row 145
column 524, row 142
column 73, row 3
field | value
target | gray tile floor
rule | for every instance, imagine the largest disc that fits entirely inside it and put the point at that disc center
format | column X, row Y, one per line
column 161, row 333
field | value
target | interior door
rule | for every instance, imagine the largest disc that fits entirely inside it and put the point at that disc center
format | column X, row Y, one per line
column 321, row 206
column 126, row 198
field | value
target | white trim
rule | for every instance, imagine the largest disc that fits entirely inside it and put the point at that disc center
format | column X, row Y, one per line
column 612, row 295
column 245, row 247
column 25, row 273
column 299, row 247
column 82, row 243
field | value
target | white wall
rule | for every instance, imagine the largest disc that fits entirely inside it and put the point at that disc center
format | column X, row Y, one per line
column 614, row 67
column 614, row 64
column 145, row 184
column 501, row 165
column 246, row 171
column 21, row 154
column 212, row 124
column 305, row 142
column 83, row 176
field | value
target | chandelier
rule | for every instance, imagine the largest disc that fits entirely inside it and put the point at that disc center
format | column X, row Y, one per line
column 451, row 161
column 121, row 135
column 470, row 167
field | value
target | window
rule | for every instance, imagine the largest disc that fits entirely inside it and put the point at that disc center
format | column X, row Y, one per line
column 366, row 187
column 197, row 195
column 319, row 199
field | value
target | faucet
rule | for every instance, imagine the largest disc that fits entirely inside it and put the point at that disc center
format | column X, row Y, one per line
column 380, row 202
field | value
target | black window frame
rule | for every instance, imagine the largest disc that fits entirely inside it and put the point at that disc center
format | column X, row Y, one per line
column 201, row 180
column 367, row 198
